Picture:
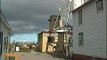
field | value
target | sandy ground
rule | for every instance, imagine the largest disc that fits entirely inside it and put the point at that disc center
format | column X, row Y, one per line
column 36, row 56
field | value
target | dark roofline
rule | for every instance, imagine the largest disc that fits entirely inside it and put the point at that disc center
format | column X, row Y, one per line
column 81, row 6
column 4, row 17
column 43, row 32
column 5, row 20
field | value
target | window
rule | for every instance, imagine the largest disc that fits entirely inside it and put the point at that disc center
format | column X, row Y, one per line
column 80, row 39
column 80, row 17
column 99, row 6
column 5, row 42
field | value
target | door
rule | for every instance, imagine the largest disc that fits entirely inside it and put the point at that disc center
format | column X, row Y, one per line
column 1, row 42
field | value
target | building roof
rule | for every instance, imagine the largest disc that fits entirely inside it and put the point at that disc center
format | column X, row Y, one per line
column 43, row 32
column 81, row 5
column 3, row 19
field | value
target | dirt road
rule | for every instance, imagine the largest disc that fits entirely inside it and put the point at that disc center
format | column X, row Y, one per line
column 37, row 56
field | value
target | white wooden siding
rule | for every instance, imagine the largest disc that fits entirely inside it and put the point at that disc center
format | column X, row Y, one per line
column 94, row 30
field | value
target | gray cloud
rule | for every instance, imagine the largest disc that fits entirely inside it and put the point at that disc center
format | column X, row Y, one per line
column 28, row 16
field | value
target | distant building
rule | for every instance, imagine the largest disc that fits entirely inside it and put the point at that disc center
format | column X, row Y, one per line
column 62, row 36
column 53, row 23
column 64, row 41
column 90, row 31
column 53, row 40
column 44, row 40
column 4, row 35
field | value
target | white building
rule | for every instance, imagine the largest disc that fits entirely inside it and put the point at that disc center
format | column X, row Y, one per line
column 90, row 31
column 77, row 3
column 68, row 5
column 4, row 35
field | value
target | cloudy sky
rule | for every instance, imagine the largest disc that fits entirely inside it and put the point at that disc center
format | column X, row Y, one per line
column 27, row 17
